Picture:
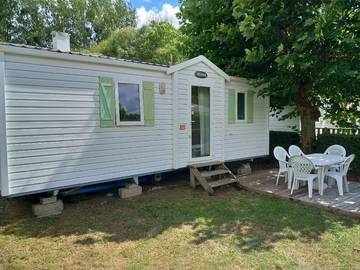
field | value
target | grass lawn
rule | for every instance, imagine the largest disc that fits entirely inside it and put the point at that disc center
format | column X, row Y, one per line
column 179, row 228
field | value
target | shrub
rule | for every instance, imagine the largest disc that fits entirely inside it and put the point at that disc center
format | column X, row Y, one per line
column 284, row 139
column 350, row 142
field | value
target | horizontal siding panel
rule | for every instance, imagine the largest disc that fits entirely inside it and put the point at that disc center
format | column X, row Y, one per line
column 50, row 76
column 50, row 97
column 51, row 124
column 79, row 181
column 86, row 155
column 48, row 89
column 66, row 110
column 75, row 160
column 110, row 172
column 95, row 149
column 60, row 84
column 121, row 134
column 70, row 130
column 46, row 118
column 87, row 143
column 51, row 104
column 61, row 170
column 12, row 110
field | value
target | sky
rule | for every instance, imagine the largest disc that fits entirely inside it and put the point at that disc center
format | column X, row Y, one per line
column 148, row 10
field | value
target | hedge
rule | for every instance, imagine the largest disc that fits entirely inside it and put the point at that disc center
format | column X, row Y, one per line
column 284, row 139
column 350, row 142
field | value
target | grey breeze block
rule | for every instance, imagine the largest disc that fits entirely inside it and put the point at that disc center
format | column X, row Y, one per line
column 130, row 191
column 245, row 169
column 48, row 209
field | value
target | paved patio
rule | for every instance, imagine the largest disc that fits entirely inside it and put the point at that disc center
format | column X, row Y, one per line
column 263, row 182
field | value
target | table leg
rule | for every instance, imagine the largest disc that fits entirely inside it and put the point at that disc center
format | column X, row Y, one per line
column 290, row 178
column 321, row 180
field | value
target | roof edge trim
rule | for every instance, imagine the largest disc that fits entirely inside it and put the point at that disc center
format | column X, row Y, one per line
column 196, row 60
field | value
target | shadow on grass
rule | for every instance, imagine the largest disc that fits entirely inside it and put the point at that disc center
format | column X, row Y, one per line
column 246, row 220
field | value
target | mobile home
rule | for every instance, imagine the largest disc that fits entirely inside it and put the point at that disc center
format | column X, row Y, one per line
column 69, row 119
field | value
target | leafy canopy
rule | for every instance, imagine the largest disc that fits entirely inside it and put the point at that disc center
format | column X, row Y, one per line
column 159, row 42
column 311, row 43
column 32, row 21
column 306, row 53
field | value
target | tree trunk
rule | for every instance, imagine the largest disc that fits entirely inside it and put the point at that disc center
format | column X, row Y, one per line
column 309, row 114
column 307, row 129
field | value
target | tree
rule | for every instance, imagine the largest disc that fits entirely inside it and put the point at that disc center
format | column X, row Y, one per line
column 87, row 21
column 159, row 42
column 212, row 30
column 303, row 53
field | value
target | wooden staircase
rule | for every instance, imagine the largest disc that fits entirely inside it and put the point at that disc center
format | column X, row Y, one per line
column 211, row 175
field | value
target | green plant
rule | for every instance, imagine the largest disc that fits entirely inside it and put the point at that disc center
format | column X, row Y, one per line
column 302, row 53
column 350, row 142
column 284, row 139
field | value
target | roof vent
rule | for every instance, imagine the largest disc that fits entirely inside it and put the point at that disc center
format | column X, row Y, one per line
column 61, row 41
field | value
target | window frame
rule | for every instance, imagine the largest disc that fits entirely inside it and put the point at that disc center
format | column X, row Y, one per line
column 141, row 99
column 245, row 106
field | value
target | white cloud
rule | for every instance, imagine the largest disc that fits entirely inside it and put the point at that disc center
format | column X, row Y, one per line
column 167, row 14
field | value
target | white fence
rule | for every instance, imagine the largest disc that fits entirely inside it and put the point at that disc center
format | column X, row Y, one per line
column 342, row 131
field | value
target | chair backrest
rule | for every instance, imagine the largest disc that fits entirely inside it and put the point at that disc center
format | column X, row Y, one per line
column 346, row 164
column 301, row 166
column 295, row 150
column 336, row 150
column 281, row 155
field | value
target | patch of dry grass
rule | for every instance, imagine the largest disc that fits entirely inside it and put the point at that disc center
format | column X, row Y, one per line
column 179, row 229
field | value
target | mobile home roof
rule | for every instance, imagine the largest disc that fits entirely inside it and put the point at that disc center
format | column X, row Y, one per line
column 79, row 57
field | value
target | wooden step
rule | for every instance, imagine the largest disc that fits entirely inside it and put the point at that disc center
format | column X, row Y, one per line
column 206, row 164
column 203, row 177
column 222, row 182
column 213, row 173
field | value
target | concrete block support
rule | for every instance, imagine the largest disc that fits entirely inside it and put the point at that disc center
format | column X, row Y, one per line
column 48, row 209
column 129, row 191
column 245, row 169
column 48, row 200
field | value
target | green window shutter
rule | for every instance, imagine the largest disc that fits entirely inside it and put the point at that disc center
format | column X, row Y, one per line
column 250, row 106
column 231, row 106
column 107, row 102
column 149, row 106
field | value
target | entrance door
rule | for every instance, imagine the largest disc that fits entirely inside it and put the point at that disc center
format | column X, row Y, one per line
column 200, row 121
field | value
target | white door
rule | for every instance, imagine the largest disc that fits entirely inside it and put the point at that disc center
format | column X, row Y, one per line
column 200, row 123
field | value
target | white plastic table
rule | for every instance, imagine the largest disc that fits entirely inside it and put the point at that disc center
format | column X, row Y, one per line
column 321, row 162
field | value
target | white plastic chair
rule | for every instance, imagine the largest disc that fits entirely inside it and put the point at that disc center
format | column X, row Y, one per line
column 301, row 169
column 340, row 175
column 336, row 150
column 281, row 155
column 295, row 150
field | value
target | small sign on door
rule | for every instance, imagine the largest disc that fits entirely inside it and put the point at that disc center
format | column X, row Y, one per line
column 182, row 126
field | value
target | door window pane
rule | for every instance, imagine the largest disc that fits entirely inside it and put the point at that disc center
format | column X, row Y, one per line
column 240, row 106
column 129, row 102
column 200, row 121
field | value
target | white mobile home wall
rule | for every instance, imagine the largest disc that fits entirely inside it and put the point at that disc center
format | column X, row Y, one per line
column 50, row 107
column 53, row 134
column 242, row 139
column 184, row 79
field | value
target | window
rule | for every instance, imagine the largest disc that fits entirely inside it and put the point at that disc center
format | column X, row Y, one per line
column 129, row 104
column 240, row 106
